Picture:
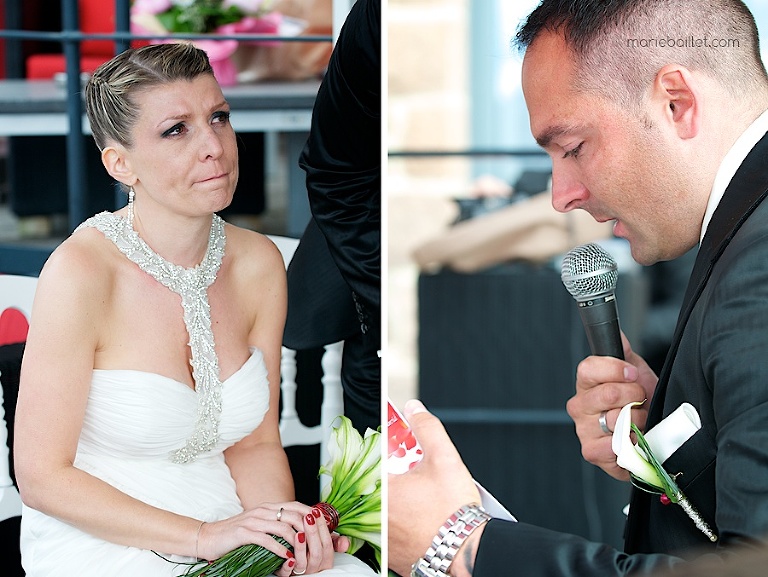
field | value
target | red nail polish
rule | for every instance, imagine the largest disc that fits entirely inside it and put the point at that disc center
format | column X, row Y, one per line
column 316, row 512
column 301, row 537
column 289, row 554
column 291, row 562
column 310, row 519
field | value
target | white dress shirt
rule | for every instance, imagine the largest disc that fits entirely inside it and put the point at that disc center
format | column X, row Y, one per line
column 731, row 162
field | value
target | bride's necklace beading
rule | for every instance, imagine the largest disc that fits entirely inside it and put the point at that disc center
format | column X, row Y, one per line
column 191, row 284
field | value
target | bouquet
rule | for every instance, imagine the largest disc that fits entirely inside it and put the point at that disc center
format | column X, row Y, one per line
column 351, row 505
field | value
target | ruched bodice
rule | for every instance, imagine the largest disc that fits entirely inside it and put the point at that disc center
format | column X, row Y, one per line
column 134, row 421
column 139, row 415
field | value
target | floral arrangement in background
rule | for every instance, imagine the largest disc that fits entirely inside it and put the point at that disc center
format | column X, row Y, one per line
column 200, row 16
column 227, row 17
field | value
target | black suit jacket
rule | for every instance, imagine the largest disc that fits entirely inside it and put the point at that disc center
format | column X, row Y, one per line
column 336, row 271
column 718, row 362
column 321, row 309
column 342, row 157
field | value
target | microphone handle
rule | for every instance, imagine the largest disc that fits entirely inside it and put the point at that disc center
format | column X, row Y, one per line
column 601, row 323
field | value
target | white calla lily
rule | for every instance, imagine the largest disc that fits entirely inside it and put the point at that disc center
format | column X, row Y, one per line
column 628, row 455
column 354, row 465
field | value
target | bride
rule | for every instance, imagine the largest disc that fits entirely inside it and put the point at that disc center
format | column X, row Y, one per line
column 147, row 419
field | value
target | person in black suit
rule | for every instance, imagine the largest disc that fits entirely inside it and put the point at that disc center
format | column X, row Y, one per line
column 654, row 115
column 335, row 274
column 748, row 563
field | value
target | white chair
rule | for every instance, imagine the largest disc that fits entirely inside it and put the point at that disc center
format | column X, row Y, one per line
column 292, row 430
column 15, row 292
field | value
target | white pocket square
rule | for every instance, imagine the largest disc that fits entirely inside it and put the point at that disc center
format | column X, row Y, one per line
column 669, row 435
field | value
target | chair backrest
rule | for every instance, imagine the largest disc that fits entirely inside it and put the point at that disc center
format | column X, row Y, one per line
column 16, row 293
column 286, row 245
column 292, row 430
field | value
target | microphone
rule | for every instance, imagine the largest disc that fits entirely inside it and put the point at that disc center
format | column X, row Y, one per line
column 590, row 274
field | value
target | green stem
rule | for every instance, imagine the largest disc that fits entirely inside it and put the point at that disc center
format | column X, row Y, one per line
column 245, row 561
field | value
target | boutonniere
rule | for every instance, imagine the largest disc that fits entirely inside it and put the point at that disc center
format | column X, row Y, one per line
column 643, row 464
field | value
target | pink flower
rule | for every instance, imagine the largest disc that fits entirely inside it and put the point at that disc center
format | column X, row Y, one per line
column 219, row 52
column 150, row 6
column 267, row 24
column 247, row 6
column 217, row 49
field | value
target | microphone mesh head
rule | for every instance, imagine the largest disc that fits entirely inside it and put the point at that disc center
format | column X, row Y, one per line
column 589, row 271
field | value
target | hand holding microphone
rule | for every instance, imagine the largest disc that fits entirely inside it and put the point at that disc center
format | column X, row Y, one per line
column 590, row 274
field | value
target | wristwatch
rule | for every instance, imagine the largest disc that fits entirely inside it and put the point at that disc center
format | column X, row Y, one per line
column 449, row 538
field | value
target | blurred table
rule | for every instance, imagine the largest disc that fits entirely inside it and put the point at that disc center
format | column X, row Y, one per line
column 39, row 107
column 30, row 107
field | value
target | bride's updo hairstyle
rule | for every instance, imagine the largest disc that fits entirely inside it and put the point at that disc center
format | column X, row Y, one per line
column 109, row 105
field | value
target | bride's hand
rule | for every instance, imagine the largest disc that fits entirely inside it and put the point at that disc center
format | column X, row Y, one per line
column 257, row 526
column 303, row 527
column 314, row 545
column 340, row 543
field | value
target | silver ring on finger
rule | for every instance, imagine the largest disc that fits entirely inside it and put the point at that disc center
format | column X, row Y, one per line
column 280, row 514
column 300, row 572
column 604, row 423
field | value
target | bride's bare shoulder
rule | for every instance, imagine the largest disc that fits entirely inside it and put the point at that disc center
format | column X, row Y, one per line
column 86, row 260
column 253, row 250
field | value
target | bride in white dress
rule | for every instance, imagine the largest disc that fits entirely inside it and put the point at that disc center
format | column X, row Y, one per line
column 147, row 419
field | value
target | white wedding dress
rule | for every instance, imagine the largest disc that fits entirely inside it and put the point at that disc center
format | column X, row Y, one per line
column 135, row 422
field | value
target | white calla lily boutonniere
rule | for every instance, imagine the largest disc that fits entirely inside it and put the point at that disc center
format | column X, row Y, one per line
column 645, row 469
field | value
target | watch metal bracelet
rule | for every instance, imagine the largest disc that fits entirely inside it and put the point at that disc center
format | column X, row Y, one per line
column 448, row 540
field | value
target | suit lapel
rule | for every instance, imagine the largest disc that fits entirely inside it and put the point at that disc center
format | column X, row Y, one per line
column 747, row 189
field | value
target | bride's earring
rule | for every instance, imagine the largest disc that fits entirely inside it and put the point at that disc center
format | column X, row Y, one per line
column 131, row 196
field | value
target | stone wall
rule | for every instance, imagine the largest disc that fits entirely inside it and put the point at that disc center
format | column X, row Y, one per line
column 428, row 107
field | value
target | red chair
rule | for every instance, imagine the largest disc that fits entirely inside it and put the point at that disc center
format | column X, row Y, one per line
column 16, row 294
column 96, row 17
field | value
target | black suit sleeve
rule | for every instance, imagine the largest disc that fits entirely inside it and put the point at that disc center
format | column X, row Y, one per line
column 508, row 548
column 342, row 157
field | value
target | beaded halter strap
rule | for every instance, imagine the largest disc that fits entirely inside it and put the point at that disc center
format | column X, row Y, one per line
column 191, row 284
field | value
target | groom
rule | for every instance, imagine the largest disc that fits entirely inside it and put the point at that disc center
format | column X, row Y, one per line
column 668, row 141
